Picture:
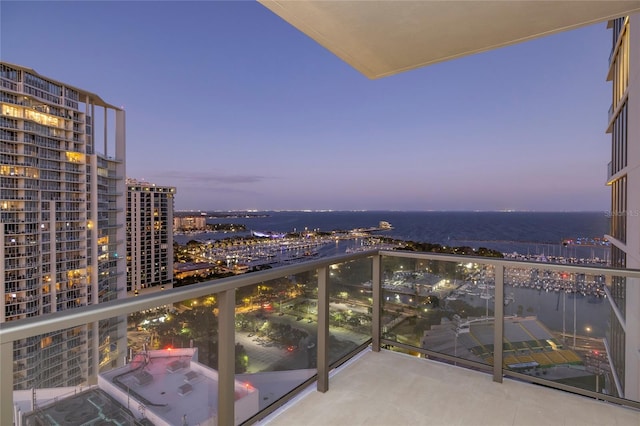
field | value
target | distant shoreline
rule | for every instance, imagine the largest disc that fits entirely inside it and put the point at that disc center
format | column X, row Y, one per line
column 263, row 213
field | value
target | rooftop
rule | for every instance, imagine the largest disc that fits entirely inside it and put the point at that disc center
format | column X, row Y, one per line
column 92, row 406
column 172, row 386
column 390, row 388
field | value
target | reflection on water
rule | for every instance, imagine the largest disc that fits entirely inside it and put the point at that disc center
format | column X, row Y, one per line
column 556, row 309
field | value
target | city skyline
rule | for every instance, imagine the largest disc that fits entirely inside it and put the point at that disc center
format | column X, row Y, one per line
column 240, row 111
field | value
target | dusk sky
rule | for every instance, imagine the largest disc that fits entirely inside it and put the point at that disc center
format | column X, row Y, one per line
column 239, row 110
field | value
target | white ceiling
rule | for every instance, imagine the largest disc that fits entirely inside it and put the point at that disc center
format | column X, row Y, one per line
column 381, row 38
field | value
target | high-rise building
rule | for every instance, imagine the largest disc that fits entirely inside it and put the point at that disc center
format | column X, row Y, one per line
column 624, row 178
column 149, row 236
column 62, row 233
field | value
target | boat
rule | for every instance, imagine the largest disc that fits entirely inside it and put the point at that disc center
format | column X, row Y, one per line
column 268, row 234
column 382, row 226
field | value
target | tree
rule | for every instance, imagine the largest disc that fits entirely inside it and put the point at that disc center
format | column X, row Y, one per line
column 242, row 359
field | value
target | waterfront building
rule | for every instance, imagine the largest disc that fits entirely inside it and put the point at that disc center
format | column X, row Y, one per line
column 149, row 236
column 62, row 233
column 189, row 223
column 623, row 176
column 202, row 269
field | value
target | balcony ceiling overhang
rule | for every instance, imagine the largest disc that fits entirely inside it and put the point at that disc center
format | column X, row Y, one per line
column 382, row 38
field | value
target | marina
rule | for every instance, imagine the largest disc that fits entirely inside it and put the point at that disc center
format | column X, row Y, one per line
column 260, row 248
column 258, row 252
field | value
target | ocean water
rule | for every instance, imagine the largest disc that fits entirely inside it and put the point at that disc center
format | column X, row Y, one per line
column 522, row 232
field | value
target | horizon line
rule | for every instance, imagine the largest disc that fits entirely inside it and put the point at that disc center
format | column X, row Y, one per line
column 382, row 210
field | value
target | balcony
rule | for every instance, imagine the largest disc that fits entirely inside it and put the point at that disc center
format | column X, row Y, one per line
column 338, row 324
column 389, row 388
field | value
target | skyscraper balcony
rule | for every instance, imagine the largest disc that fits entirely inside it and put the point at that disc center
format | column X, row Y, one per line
column 359, row 328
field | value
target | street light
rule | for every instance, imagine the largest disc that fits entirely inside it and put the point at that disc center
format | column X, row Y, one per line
column 593, row 362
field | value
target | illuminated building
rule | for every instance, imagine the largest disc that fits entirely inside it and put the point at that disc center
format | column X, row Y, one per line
column 190, row 223
column 149, row 236
column 623, row 176
column 62, row 165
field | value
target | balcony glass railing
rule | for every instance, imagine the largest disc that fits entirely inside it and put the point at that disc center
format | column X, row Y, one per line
column 554, row 322
column 235, row 349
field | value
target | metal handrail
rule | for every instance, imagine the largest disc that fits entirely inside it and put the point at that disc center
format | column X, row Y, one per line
column 55, row 321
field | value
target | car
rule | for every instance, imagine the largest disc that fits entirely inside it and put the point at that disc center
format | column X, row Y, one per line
column 309, row 320
column 252, row 334
column 299, row 319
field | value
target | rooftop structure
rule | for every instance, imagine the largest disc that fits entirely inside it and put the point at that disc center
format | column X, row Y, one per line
column 173, row 388
column 159, row 387
column 90, row 406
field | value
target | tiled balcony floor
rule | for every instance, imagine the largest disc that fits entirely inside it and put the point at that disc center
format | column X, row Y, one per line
column 389, row 388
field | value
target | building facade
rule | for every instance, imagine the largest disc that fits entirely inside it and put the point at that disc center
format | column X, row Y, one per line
column 190, row 223
column 62, row 231
column 149, row 236
column 623, row 176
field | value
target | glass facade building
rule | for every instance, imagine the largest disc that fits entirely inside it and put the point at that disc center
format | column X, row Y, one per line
column 624, row 177
column 62, row 233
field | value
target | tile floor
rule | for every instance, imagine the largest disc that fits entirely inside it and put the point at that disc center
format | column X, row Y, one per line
column 389, row 388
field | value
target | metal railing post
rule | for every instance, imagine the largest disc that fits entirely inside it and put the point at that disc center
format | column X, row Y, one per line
column 498, row 323
column 376, row 307
column 6, row 384
column 226, row 358
column 323, row 329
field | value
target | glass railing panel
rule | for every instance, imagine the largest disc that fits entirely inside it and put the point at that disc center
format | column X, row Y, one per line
column 276, row 333
column 350, row 306
column 158, row 364
column 440, row 306
column 173, row 347
column 616, row 286
column 129, row 354
column 563, row 327
column 190, row 323
column 536, row 319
